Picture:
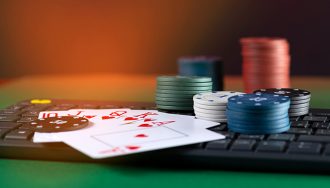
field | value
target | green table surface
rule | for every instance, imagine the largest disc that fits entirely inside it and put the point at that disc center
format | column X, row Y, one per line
column 28, row 173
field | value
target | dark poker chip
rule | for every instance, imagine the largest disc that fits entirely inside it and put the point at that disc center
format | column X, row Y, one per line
column 294, row 94
column 59, row 124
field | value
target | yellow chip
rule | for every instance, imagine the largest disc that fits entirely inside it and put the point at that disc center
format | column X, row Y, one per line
column 40, row 101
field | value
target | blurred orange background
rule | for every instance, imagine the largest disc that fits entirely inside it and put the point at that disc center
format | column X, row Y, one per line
column 147, row 36
column 104, row 36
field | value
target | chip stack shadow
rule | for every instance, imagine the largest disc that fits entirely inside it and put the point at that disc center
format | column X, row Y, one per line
column 175, row 93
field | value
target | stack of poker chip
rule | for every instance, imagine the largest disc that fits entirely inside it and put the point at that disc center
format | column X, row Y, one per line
column 299, row 99
column 209, row 66
column 258, row 113
column 212, row 106
column 266, row 63
column 175, row 93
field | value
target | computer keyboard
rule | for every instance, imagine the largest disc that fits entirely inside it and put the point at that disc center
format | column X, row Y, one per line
column 306, row 146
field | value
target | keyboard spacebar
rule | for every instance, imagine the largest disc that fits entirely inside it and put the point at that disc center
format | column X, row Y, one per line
column 313, row 138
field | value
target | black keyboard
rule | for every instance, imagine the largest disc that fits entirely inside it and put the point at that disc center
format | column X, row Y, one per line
column 306, row 146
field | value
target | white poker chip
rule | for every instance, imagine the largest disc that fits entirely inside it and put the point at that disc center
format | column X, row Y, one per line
column 213, row 116
column 212, row 119
column 205, row 111
column 209, row 107
column 215, row 98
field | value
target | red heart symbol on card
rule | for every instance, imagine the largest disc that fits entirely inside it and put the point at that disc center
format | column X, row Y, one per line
column 107, row 117
column 130, row 118
column 132, row 147
column 145, row 125
column 89, row 117
column 141, row 135
column 147, row 119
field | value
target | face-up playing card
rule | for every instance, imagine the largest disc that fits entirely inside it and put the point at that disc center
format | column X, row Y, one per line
column 164, row 132
column 98, row 119
column 118, row 132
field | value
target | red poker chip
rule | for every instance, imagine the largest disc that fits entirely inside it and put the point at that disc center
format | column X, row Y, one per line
column 266, row 63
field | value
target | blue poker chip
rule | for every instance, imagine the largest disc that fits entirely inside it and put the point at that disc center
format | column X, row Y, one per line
column 258, row 113
column 259, row 131
column 270, row 115
column 264, row 125
column 257, row 122
column 258, row 101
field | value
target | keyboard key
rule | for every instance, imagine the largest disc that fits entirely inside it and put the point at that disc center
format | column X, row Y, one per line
column 3, row 131
column 67, row 105
column 9, row 125
column 299, row 131
column 271, row 146
column 218, row 144
column 321, row 125
column 16, row 107
column 282, row 137
column 58, row 108
column 327, row 149
column 8, row 118
column 37, row 108
column 18, row 134
column 299, row 124
column 27, row 127
column 26, row 119
column 304, row 148
column 243, row 145
column 314, row 138
column 251, row 136
column 10, row 112
column 31, row 114
column 322, row 132
column 315, row 118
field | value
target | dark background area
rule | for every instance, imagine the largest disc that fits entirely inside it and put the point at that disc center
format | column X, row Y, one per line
column 66, row 36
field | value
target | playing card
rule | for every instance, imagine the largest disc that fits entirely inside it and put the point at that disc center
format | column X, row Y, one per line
column 163, row 132
column 99, row 118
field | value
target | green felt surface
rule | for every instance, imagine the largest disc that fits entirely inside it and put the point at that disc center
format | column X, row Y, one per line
column 27, row 173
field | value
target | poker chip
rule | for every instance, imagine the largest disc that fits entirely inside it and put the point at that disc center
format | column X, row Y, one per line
column 266, row 63
column 209, row 66
column 179, row 107
column 216, row 112
column 299, row 99
column 185, row 103
column 168, row 99
column 215, row 98
column 212, row 119
column 184, row 88
column 206, row 107
column 214, row 116
column 176, row 92
column 212, row 105
column 59, row 124
column 183, row 79
column 184, row 92
column 258, row 113
column 303, row 105
column 258, row 101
